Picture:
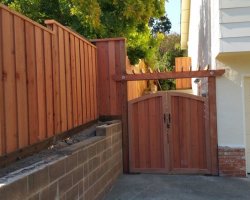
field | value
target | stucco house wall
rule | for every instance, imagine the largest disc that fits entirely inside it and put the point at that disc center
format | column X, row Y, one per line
column 219, row 35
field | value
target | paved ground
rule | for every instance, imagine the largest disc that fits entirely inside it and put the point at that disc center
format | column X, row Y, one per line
column 172, row 187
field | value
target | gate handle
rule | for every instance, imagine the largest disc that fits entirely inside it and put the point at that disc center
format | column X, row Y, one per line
column 167, row 119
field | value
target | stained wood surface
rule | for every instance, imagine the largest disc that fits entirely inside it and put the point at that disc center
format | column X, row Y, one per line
column 169, row 75
column 146, row 134
column 167, row 134
column 135, row 88
column 111, row 95
column 183, row 64
column 43, row 78
column 188, row 145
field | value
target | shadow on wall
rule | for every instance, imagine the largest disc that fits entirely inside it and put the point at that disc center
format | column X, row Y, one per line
column 204, row 44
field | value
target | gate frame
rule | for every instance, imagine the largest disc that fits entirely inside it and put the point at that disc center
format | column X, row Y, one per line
column 210, row 112
column 111, row 59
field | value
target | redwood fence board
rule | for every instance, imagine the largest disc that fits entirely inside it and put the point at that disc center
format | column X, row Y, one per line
column 43, row 72
column 183, row 64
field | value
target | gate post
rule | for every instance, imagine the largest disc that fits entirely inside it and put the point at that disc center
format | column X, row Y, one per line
column 212, row 124
column 112, row 95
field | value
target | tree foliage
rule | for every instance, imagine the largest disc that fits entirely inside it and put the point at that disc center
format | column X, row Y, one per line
column 105, row 18
column 169, row 49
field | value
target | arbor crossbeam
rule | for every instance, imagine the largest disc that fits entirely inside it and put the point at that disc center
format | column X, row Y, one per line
column 169, row 75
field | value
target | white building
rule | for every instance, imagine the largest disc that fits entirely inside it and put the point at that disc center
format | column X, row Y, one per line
column 217, row 33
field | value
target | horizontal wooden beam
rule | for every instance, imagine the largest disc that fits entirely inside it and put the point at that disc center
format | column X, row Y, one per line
column 169, row 75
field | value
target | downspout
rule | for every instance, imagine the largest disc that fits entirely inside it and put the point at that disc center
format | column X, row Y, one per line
column 185, row 17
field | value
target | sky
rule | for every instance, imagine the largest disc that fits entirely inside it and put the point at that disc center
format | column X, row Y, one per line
column 172, row 8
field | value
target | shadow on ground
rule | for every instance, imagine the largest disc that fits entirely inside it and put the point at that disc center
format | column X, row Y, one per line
column 173, row 187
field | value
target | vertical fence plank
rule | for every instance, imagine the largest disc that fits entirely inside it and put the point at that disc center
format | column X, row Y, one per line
column 2, row 121
column 40, row 84
column 62, row 77
column 84, row 94
column 78, row 81
column 87, row 78
column 49, row 83
column 73, row 77
column 21, row 83
column 95, row 81
column 68, row 80
column 112, row 84
column 56, row 83
column 90, row 74
column 32, row 82
column 9, row 82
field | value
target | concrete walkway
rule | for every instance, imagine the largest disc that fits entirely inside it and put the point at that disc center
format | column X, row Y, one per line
column 173, row 187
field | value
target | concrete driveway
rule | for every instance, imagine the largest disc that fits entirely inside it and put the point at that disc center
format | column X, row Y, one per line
column 173, row 187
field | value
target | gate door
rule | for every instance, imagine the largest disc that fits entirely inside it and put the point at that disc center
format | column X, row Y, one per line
column 148, row 145
column 189, row 141
column 168, row 133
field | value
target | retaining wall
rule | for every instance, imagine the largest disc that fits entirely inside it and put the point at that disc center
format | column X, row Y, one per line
column 86, row 170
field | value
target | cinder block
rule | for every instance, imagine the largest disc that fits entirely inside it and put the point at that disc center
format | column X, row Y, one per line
column 71, row 162
column 77, row 174
column 56, row 170
column 38, row 180
column 82, row 156
column 34, row 197
column 50, row 193
column 91, row 151
column 80, row 188
column 17, row 190
column 65, row 183
column 72, row 194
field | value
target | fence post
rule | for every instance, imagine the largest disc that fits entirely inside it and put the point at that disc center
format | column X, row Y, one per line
column 213, row 124
column 112, row 95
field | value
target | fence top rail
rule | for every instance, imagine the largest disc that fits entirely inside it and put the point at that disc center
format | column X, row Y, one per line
column 51, row 22
column 169, row 75
column 25, row 18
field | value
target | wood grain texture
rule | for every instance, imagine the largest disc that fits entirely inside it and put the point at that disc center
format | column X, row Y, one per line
column 68, row 79
column 169, row 75
column 78, row 81
column 145, row 134
column 87, row 82
column 2, row 107
column 188, row 134
column 43, row 74
column 183, row 64
column 91, row 86
column 56, row 82
column 49, row 83
column 62, row 80
column 83, row 83
column 213, row 124
column 73, row 80
column 32, row 82
column 21, row 83
column 41, row 99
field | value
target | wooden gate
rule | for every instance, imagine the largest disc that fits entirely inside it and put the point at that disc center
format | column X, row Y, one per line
column 167, row 133
column 147, row 140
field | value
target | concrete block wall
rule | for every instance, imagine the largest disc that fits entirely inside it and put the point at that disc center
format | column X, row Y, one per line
column 87, row 172
column 232, row 162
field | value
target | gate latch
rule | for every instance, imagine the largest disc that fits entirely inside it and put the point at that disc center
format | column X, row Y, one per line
column 167, row 119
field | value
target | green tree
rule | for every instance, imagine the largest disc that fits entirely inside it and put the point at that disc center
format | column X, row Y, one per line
column 105, row 18
column 169, row 49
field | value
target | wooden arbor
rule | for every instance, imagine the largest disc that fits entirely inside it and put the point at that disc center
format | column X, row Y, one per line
column 111, row 58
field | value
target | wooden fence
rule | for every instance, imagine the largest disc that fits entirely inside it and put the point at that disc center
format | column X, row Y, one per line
column 47, row 81
column 183, row 64
column 135, row 88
